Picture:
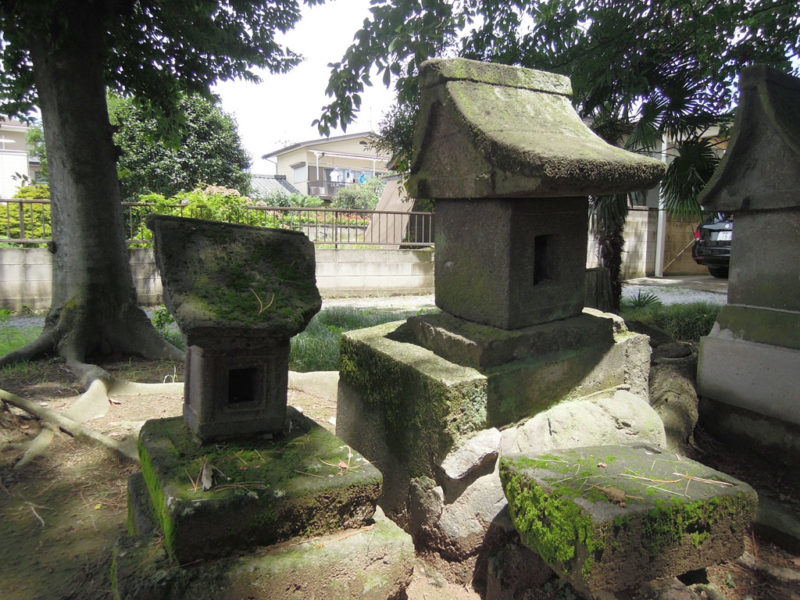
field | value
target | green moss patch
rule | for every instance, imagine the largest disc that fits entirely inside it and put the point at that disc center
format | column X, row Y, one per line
column 426, row 404
column 307, row 482
column 609, row 517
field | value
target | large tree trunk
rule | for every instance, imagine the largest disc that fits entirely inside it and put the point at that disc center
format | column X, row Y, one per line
column 94, row 309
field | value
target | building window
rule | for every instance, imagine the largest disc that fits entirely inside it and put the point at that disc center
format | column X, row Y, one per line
column 299, row 173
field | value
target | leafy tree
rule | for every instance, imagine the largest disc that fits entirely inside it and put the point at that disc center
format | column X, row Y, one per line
column 62, row 55
column 639, row 69
column 359, row 196
column 207, row 149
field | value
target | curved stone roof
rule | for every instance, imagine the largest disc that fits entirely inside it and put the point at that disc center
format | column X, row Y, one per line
column 493, row 131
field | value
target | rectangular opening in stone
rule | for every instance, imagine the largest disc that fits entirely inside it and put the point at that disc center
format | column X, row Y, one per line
column 242, row 385
column 543, row 259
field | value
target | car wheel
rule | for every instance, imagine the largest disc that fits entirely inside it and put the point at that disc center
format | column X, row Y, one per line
column 718, row 272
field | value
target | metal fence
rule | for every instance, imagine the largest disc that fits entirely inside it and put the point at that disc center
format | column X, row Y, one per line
column 26, row 222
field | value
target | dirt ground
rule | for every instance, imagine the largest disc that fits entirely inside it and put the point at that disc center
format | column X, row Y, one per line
column 61, row 513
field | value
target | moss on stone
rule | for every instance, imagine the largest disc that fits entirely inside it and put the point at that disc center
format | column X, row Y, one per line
column 305, row 483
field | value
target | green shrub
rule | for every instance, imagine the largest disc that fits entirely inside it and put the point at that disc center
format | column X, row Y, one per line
column 684, row 322
column 361, row 196
column 38, row 223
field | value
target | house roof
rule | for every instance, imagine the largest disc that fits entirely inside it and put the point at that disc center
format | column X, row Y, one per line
column 263, row 185
column 317, row 142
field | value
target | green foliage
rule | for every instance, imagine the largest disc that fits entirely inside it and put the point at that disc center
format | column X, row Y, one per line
column 205, row 149
column 280, row 199
column 12, row 338
column 687, row 175
column 685, row 322
column 317, row 348
column 37, row 218
column 359, row 196
column 638, row 69
column 642, row 300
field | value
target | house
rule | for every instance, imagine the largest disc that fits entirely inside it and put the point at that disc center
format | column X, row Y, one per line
column 322, row 167
column 16, row 161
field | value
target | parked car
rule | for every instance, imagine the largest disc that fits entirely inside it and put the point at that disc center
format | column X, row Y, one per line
column 712, row 243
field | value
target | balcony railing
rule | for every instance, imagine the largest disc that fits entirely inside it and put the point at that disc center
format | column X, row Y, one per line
column 27, row 222
column 326, row 189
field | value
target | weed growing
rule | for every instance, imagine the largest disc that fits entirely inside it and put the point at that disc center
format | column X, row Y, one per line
column 684, row 322
column 12, row 338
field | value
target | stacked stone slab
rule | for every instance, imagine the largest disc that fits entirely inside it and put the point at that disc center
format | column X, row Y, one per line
column 608, row 518
column 749, row 363
column 509, row 165
column 229, row 494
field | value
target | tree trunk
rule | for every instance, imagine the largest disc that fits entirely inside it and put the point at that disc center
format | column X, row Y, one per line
column 94, row 309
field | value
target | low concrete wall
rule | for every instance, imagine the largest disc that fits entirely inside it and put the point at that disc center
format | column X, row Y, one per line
column 25, row 274
column 638, row 257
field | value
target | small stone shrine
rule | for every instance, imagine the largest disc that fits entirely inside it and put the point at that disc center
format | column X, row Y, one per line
column 749, row 365
column 509, row 165
column 242, row 472
column 238, row 294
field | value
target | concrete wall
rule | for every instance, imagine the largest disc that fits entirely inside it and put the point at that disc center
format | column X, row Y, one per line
column 25, row 274
column 638, row 259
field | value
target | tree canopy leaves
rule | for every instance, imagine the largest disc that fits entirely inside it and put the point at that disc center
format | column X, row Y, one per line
column 642, row 67
column 207, row 149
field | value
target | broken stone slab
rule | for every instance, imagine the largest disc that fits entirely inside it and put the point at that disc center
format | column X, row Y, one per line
column 374, row 562
column 607, row 518
column 212, row 499
column 230, row 284
column 457, row 524
column 473, row 454
column 611, row 417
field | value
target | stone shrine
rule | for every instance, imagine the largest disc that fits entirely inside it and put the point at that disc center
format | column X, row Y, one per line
column 238, row 294
column 509, row 165
column 229, row 494
column 749, row 363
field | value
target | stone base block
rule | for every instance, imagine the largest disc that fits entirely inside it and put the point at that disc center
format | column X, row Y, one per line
column 758, row 377
column 212, row 499
column 612, row 517
column 373, row 562
column 404, row 405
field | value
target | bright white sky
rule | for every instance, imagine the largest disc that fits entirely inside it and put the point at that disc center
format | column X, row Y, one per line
column 279, row 110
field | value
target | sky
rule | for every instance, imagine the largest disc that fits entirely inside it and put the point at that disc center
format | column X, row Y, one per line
column 278, row 111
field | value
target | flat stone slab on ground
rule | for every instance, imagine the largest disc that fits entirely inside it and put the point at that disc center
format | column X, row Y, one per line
column 304, row 483
column 612, row 517
column 374, row 562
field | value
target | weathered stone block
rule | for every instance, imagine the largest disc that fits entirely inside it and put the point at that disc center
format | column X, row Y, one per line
column 531, row 250
column 374, row 562
column 611, row 517
column 260, row 491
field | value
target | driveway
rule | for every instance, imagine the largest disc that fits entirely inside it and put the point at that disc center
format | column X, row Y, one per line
column 681, row 289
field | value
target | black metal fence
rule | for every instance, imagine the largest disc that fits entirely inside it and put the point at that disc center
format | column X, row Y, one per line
column 28, row 222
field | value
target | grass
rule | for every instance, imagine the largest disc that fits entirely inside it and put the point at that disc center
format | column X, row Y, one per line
column 684, row 322
column 12, row 338
column 317, row 348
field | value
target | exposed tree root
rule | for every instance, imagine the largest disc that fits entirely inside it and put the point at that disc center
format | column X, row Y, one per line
column 65, row 423
column 782, row 574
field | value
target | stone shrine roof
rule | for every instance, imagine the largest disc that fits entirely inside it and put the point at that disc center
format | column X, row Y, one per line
column 761, row 168
column 235, row 284
column 492, row 131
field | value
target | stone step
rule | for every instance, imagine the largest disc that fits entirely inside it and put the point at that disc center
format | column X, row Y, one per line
column 373, row 562
column 257, row 491
column 608, row 518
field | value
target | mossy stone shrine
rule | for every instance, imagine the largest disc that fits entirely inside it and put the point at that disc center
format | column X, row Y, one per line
column 242, row 471
column 509, row 165
column 238, row 294
column 749, row 363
